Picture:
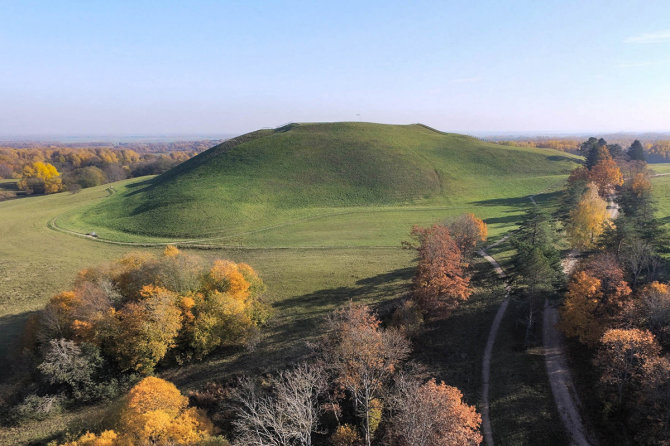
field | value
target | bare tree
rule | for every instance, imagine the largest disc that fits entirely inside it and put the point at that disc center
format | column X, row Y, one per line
column 287, row 415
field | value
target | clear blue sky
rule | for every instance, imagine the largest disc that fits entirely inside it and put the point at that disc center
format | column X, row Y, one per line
column 198, row 67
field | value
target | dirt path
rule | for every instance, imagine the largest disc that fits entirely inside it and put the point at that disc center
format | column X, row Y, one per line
column 560, row 378
column 488, row 350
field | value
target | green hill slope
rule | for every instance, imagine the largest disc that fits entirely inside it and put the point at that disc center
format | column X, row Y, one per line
column 301, row 170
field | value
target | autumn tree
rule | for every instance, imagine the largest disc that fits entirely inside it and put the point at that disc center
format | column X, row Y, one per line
column 651, row 310
column 432, row 414
column 40, row 178
column 606, row 175
column 653, row 405
column 622, row 356
column 105, row 438
column 441, row 282
column 467, row 231
column 142, row 332
column 155, row 413
column 578, row 317
column 363, row 357
column 588, row 220
column 597, row 296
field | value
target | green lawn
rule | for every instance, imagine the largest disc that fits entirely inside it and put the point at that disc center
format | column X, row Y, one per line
column 661, row 192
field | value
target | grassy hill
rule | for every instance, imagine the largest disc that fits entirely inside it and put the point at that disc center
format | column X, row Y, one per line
column 267, row 178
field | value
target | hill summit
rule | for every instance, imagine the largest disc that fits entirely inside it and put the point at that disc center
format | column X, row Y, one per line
column 271, row 174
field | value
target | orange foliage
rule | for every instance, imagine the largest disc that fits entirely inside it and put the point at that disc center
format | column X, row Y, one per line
column 622, row 356
column 578, row 315
column 171, row 251
column 440, row 283
column 435, row 414
column 606, row 175
column 596, row 298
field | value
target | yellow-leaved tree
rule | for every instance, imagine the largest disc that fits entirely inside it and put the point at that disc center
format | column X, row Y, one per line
column 40, row 178
column 588, row 219
column 157, row 414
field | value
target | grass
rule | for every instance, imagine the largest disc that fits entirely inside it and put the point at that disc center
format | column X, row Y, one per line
column 661, row 192
column 312, row 258
column 314, row 173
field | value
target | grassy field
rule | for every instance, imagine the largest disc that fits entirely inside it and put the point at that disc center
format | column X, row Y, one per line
column 312, row 263
column 661, row 191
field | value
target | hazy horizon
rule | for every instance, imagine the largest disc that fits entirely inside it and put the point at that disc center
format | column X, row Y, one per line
column 212, row 68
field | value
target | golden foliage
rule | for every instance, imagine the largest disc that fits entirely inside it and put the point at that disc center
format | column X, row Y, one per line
column 578, row 314
column 588, row 220
column 106, row 438
column 155, row 414
column 40, row 177
column 346, row 435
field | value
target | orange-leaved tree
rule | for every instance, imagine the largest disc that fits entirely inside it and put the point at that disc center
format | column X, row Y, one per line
column 441, row 282
column 432, row 414
column 578, row 314
column 606, row 175
column 622, row 356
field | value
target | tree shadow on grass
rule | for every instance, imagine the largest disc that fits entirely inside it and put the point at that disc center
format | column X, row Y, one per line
column 11, row 330
column 298, row 321
column 9, row 186
column 522, row 202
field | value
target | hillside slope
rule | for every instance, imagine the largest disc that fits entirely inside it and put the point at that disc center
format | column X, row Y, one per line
column 295, row 171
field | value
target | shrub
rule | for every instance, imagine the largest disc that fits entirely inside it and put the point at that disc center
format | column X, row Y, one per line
column 35, row 407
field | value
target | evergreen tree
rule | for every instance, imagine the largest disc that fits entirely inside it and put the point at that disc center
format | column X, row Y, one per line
column 595, row 150
column 636, row 151
column 536, row 262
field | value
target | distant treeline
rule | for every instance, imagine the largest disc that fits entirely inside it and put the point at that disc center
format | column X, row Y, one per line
column 54, row 167
column 137, row 146
column 656, row 151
